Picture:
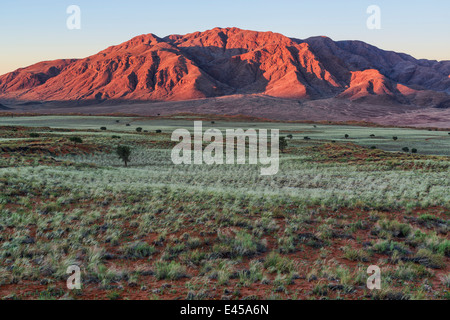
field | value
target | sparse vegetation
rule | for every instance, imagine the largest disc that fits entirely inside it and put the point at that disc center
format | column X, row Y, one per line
column 158, row 230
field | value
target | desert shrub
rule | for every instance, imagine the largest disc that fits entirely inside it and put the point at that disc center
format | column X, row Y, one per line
column 113, row 295
column 320, row 289
column 410, row 272
column 174, row 249
column 245, row 245
column 194, row 257
column 49, row 207
column 138, row 250
column 425, row 218
column 249, row 276
column 429, row 259
column 76, row 139
column 389, row 294
column 438, row 245
column 395, row 228
column 389, row 247
column 194, row 243
column 275, row 263
column 355, row 254
column 169, row 270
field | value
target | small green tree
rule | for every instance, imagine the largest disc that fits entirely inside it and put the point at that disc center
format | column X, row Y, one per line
column 405, row 149
column 102, row 128
column 346, row 136
column 413, row 150
column 290, row 136
column 124, row 153
column 76, row 140
column 139, row 129
column 395, row 138
column 282, row 144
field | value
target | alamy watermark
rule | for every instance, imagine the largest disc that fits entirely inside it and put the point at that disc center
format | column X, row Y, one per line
column 374, row 281
column 235, row 140
column 74, row 280
column 73, row 22
column 374, row 20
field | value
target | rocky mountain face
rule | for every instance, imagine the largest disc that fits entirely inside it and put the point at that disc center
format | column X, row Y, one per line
column 231, row 61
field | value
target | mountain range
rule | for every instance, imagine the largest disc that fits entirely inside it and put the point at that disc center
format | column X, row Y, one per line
column 230, row 62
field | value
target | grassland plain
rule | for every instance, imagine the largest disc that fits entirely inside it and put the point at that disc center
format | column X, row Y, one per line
column 155, row 230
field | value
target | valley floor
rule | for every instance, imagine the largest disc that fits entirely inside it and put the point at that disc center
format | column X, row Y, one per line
column 257, row 106
column 155, row 230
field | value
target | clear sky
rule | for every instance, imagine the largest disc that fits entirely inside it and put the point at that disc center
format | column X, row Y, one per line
column 35, row 30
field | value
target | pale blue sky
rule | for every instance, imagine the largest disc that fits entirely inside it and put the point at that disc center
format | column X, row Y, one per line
column 31, row 30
